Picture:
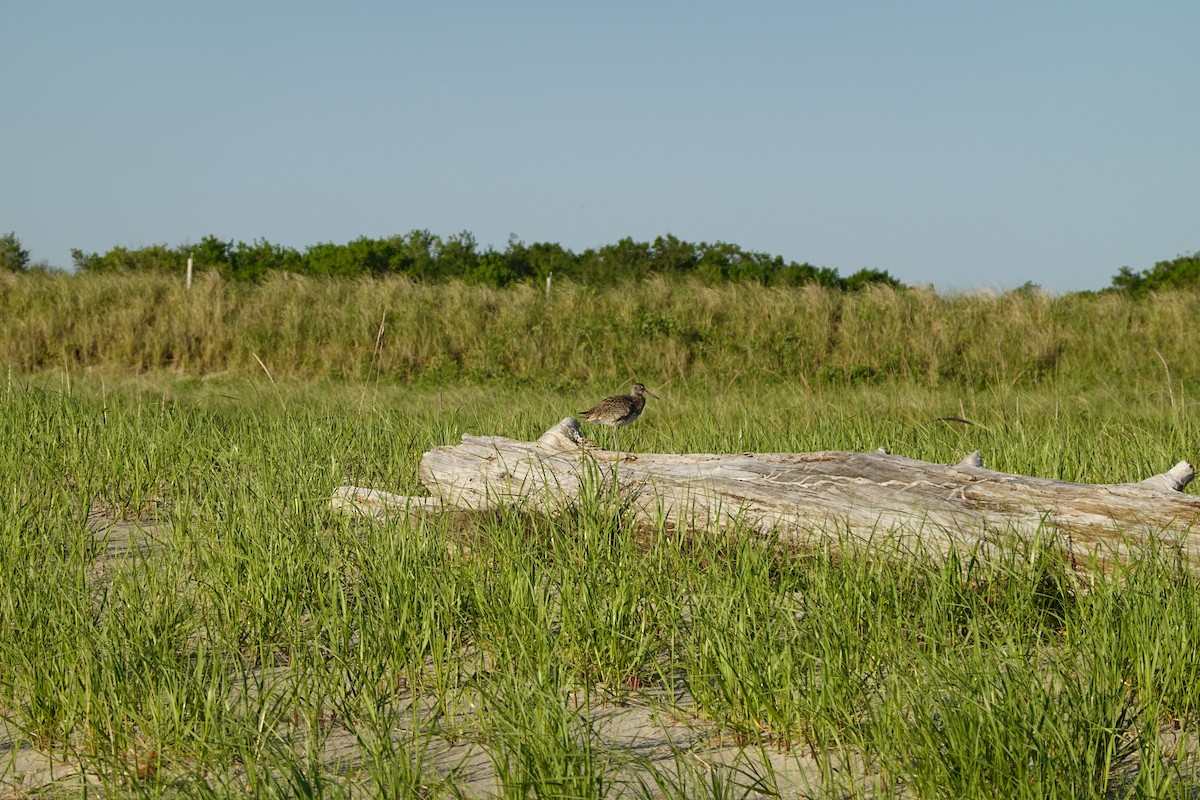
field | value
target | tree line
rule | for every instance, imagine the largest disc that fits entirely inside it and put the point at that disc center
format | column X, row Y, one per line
column 1181, row 272
column 425, row 256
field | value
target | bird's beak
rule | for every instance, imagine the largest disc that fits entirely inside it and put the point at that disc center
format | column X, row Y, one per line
column 652, row 394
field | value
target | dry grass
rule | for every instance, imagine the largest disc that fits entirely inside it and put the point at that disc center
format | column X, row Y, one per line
column 663, row 331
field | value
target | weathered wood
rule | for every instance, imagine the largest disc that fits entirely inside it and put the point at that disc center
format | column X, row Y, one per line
column 377, row 504
column 801, row 495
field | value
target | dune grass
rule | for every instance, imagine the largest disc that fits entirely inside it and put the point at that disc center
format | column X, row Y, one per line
column 657, row 331
column 228, row 633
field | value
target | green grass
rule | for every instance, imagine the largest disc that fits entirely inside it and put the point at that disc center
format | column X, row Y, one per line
column 231, row 631
column 244, row 629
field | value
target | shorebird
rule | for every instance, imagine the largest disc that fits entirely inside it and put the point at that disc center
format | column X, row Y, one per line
column 618, row 410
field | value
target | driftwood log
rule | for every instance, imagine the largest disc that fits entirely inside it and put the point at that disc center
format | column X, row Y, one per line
column 801, row 496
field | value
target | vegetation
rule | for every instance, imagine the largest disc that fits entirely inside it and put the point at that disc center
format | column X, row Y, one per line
column 394, row 329
column 13, row 257
column 424, row 256
column 1182, row 272
column 231, row 637
column 181, row 615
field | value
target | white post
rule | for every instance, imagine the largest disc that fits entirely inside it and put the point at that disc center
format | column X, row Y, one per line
column 548, row 278
column 189, row 272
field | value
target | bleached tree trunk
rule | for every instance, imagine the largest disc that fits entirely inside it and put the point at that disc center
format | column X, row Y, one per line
column 800, row 495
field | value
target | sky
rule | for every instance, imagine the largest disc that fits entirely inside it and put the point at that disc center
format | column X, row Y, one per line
column 957, row 144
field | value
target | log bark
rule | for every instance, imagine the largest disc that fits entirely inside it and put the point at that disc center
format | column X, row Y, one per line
column 801, row 496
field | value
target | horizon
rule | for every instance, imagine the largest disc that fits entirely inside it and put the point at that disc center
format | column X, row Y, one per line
column 982, row 288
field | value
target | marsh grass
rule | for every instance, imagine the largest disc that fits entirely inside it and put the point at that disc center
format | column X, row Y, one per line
column 181, row 615
column 659, row 331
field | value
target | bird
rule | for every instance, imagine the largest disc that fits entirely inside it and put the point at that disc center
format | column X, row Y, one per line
column 618, row 410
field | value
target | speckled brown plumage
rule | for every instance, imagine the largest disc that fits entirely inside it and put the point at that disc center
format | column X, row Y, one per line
column 618, row 410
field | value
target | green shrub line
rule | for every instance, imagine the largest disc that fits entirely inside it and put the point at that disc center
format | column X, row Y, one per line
column 425, row 256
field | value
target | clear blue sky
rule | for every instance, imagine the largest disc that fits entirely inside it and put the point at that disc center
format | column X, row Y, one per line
column 961, row 144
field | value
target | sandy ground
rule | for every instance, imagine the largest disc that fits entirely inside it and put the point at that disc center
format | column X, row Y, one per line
column 652, row 729
column 656, row 730
column 640, row 729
